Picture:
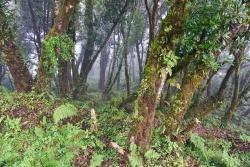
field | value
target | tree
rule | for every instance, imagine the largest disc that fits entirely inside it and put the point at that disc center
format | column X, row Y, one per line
column 2, row 68
column 104, row 60
column 193, row 35
column 237, row 50
column 90, row 58
column 162, row 48
column 47, row 61
column 11, row 53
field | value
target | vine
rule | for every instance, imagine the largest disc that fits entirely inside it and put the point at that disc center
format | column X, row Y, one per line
column 55, row 48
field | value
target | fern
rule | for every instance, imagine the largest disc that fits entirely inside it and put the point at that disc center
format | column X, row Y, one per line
column 245, row 138
column 152, row 155
column 7, row 96
column 96, row 160
column 197, row 141
column 134, row 158
column 64, row 111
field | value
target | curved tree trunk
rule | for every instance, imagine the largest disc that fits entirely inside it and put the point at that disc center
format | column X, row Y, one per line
column 179, row 106
column 12, row 55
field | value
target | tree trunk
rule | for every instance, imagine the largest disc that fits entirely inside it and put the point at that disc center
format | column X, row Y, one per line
column 180, row 104
column 154, row 75
column 63, row 79
column 104, row 60
column 60, row 26
column 132, row 67
column 205, row 107
column 12, row 55
column 118, row 82
column 116, row 77
column 2, row 68
column 235, row 99
column 89, row 48
column 64, row 72
column 35, row 28
column 139, row 59
column 152, row 15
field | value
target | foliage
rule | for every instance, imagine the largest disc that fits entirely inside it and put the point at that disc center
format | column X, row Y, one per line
column 5, row 97
column 134, row 158
column 57, row 48
column 207, row 28
column 64, row 111
column 7, row 17
column 50, row 144
column 96, row 160
column 212, row 152
column 45, row 145
column 245, row 138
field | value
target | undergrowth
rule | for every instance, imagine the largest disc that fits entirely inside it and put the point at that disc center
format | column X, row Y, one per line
column 61, row 136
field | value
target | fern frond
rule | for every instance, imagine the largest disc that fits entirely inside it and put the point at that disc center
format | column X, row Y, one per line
column 64, row 111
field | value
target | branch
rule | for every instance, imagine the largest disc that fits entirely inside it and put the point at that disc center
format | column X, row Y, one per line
column 119, row 17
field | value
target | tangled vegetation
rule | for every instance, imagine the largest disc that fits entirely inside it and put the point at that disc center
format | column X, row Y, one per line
column 40, row 132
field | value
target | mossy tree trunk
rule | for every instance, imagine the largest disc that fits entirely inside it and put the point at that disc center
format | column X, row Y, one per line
column 202, row 109
column 60, row 26
column 155, row 75
column 12, row 55
column 126, row 35
column 181, row 102
column 65, row 67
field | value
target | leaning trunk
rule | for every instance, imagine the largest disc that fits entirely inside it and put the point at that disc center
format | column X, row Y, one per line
column 12, row 55
column 180, row 104
column 154, row 75
column 235, row 99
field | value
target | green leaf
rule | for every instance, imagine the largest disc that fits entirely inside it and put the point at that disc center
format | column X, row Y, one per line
column 152, row 154
column 96, row 160
column 64, row 111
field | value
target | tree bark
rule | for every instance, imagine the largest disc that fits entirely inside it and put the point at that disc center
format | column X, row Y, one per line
column 152, row 15
column 235, row 99
column 139, row 59
column 154, row 76
column 12, row 55
column 60, row 26
column 180, row 104
column 104, row 60
column 35, row 28
column 2, row 68
column 205, row 107
column 126, row 35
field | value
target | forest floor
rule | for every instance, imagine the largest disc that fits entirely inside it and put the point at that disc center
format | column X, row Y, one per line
column 219, row 133
column 31, row 136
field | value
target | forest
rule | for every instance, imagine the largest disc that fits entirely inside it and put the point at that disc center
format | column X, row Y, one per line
column 124, row 83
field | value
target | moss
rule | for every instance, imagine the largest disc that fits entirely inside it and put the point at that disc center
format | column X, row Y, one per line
column 56, row 47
